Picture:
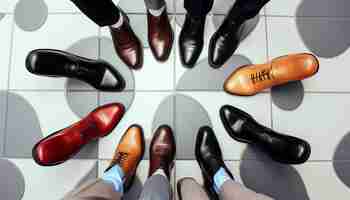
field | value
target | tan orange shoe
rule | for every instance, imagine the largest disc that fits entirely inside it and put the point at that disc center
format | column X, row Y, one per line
column 251, row 79
column 129, row 153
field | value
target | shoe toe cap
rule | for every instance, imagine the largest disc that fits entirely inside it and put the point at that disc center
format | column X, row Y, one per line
column 112, row 81
column 190, row 51
column 239, row 84
column 32, row 62
column 311, row 64
column 108, row 116
column 301, row 153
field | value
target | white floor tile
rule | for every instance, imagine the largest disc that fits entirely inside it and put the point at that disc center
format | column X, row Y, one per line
column 313, row 173
column 321, row 120
column 286, row 8
column 7, row 6
column 59, row 32
column 284, row 38
column 309, row 8
column 51, row 182
column 52, row 5
column 51, row 109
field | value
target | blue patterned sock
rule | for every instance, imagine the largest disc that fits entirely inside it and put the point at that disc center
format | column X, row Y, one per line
column 220, row 178
column 115, row 176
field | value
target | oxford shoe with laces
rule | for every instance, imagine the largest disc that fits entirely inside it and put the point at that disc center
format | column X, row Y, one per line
column 129, row 154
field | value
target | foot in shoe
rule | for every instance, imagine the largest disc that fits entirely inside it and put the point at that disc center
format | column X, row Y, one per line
column 251, row 79
column 281, row 148
column 223, row 43
column 129, row 153
column 127, row 44
column 64, row 144
column 162, row 151
column 209, row 158
column 160, row 35
column 97, row 73
column 191, row 40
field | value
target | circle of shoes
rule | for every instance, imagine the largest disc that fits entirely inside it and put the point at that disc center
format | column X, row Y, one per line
column 246, row 80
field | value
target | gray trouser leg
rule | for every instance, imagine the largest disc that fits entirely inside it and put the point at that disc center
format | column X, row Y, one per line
column 157, row 187
column 190, row 190
column 94, row 190
column 154, row 4
column 231, row 190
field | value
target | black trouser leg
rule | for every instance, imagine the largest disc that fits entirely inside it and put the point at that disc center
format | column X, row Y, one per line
column 102, row 12
column 198, row 7
column 246, row 9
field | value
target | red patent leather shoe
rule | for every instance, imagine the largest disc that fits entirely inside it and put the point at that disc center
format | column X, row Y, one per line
column 64, row 144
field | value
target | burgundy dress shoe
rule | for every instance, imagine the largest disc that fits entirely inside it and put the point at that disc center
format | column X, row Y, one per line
column 127, row 44
column 160, row 35
column 162, row 151
column 64, row 144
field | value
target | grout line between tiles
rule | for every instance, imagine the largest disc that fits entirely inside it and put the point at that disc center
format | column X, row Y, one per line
column 194, row 160
column 165, row 91
column 8, row 84
column 174, row 98
column 315, row 17
column 267, row 58
column 98, row 92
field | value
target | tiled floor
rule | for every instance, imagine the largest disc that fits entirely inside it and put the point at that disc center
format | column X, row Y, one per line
column 32, row 107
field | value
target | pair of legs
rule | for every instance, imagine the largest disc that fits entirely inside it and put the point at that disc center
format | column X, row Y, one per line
column 118, row 177
column 225, row 41
column 157, row 187
column 106, row 13
column 189, row 189
column 127, row 45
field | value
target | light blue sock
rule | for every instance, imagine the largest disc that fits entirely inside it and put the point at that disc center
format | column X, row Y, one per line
column 220, row 178
column 115, row 176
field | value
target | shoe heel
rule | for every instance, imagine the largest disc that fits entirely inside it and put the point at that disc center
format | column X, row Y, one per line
column 128, row 184
column 210, row 190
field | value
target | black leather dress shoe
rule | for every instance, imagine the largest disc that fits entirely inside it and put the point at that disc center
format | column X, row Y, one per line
column 54, row 63
column 281, row 148
column 226, row 39
column 224, row 42
column 191, row 40
column 209, row 158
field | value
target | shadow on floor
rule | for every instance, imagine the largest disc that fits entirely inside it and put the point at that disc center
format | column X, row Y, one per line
column 11, row 181
column 23, row 129
column 326, row 37
column 203, row 77
column 261, row 174
column 341, row 160
column 31, row 15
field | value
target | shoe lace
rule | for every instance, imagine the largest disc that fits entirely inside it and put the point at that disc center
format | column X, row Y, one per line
column 260, row 76
column 121, row 157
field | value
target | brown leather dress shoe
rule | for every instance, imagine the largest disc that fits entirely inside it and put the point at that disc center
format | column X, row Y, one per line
column 160, row 36
column 127, row 44
column 129, row 154
column 162, row 150
column 251, row 79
